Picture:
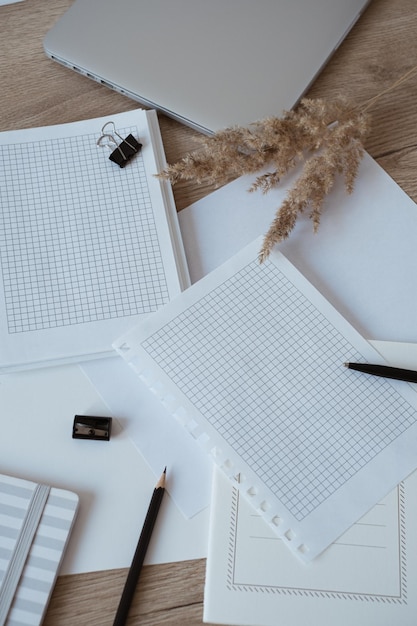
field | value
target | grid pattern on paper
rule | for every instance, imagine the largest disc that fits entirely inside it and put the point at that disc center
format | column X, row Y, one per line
column 77, row 235
column 265, row 368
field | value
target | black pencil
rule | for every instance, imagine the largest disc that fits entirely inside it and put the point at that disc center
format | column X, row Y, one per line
column 409, row 376
column 139, row 556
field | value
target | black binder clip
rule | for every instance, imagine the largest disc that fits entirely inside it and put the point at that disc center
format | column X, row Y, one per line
column 86, row 427
column 122, row 152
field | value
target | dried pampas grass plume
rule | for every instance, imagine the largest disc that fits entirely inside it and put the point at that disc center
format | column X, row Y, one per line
column 327, row 136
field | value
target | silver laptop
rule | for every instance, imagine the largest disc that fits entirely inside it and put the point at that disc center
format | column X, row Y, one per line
column 208, row 63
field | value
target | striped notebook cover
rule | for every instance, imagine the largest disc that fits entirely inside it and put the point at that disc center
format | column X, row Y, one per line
column 35, row 525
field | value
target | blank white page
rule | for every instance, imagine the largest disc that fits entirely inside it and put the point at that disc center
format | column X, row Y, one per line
column 251, row 360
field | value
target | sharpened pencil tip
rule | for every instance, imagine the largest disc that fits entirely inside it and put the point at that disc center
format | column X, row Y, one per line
column 346, row 364
column 161, row 481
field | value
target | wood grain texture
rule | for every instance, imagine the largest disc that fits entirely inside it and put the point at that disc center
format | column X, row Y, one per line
column 35, row 91
column 170, row 594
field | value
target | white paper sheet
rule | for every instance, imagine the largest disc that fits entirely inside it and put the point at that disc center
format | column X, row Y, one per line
column 250, row 361
column 86, row 247
column 363, row 258
column 366, row 577
column 112, row 479
column 160, row 439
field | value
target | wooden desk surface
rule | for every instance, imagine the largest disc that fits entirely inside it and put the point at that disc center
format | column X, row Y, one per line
column 35, row 91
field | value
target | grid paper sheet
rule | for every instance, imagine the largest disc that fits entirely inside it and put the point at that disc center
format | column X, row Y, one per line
column 66, row 233
column 253, row 360
column 79, row 238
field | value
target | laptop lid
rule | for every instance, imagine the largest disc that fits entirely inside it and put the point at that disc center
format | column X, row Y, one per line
column 208, row 63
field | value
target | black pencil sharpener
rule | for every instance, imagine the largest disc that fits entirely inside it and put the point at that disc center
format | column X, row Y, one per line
column 91, row 427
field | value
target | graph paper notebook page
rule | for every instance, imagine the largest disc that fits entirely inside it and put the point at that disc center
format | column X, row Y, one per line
column 251, row 360
column 366, row 577
column 36, row 522
column 86, row 246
